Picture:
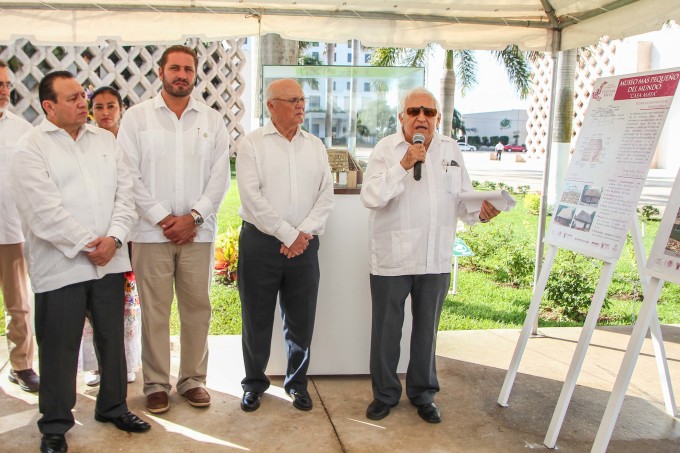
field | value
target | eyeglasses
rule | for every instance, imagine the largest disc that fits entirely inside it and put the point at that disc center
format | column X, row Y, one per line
column 8, row 85
column 415, row 111
column 292, row 101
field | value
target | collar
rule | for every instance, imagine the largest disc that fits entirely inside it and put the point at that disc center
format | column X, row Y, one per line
column 48, row 126
column 269, row 128
column 159, row 102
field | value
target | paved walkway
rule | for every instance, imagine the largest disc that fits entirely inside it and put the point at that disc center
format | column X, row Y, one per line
column 471, row 364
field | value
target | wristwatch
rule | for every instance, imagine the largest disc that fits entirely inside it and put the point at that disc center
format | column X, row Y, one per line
column 198, row 218
column 117, row 241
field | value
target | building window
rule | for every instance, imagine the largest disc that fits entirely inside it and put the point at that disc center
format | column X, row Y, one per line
column 349, row 58
column 367, row 58
column 315, row 55
column 335, row 57
column 349, row 86
column 315, row 129
column 315, row 44
column 367, row 86
column 314, row 102
column 349, row 43
column 334, row 87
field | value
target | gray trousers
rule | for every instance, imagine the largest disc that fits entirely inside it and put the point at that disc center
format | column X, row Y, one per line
column 263, row 274
column 59, row 320
column 388, row 294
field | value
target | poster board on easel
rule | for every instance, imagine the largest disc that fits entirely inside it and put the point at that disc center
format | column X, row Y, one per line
column 663, row 265
column 598, row 199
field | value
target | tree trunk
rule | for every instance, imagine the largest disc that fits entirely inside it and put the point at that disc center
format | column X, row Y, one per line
column 273, row 50
column 562, row 123
column 278, row 51
column 328, row 139
column 353, row 107
column 448, row 91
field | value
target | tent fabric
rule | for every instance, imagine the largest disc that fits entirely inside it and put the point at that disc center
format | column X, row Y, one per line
column 483, row 24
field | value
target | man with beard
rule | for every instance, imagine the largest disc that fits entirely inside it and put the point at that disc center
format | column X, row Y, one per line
column 12, row 265
column 177, row 149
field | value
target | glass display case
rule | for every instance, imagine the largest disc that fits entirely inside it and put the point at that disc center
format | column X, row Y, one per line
column 350, row 108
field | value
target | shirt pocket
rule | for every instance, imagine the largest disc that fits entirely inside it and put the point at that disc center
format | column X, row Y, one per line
column 203, row 144
column 453, row 180
column 152, row 145
column 398, row 249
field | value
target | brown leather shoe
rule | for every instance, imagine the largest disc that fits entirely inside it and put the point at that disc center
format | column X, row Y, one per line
column 197, row 397
column 26, row 379
column 157, row 402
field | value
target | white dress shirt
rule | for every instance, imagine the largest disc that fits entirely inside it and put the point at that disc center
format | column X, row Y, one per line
column 285, row 186
column 412, row 224
column 69, row 192
column 12, row 128
column 177, row 165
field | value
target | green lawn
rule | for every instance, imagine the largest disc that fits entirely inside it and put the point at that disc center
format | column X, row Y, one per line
column 482, row 301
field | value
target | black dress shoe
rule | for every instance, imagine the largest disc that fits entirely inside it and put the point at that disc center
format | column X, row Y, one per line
column 127, row 422
column 429, row 412
column 301, row 399
column 251, row 401
column 378, row 410
column 53, row 443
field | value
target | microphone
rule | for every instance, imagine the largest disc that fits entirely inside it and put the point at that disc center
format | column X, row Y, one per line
column 418, row 168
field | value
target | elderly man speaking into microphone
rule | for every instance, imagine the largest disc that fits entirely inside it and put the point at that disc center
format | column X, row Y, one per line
column 412, row 187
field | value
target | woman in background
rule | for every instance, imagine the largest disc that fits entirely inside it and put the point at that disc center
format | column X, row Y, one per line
column 107, row 108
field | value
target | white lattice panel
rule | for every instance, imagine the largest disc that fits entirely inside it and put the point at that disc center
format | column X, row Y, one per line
column 133, row 71
column 593, row 62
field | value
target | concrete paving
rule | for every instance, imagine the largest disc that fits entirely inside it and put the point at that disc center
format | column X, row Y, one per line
column 471, row 364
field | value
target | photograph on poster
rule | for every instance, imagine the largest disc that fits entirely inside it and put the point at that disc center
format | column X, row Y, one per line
column 592, row 151
column 673, row 244
column 591, row 195
column 664, row 258
column 583, row 220
column 564, row 215
column 571, row 193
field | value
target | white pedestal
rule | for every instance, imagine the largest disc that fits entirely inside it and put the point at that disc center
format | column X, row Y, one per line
column 342, row 332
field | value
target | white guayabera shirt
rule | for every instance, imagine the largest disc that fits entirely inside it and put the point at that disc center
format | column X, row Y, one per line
column 285, row 186
column 412, row 224
column 12, row 128
column 69, row 192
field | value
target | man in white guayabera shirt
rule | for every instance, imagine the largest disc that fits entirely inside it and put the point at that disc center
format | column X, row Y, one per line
column 286, row 192
column 74, row 195
column 178, row 154
column 12, row 265
column 412, row 226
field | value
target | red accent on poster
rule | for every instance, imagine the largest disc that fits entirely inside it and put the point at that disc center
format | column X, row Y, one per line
column 650, row 86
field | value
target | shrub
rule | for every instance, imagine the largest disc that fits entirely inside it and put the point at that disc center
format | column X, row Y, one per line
column 516, row 266
column 532, row 203
column 226, row 256
column 572, row 283
column 648, row 212
column 504, row 186
column 523, row 189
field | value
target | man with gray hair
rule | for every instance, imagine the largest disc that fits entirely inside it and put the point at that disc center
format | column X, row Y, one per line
column 412, row 187
column 12, row 265
column 286, row 192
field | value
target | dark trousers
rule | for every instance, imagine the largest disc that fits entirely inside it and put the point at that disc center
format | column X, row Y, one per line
column 59, row 320
column 388, row 294
column 263, row 273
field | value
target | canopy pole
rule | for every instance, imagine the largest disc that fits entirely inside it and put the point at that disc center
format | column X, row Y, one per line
column 543, row 207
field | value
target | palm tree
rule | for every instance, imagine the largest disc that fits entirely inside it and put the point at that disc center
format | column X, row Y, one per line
column 460, row 67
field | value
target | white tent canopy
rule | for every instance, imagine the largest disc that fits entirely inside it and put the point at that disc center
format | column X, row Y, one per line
column 479, row 24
